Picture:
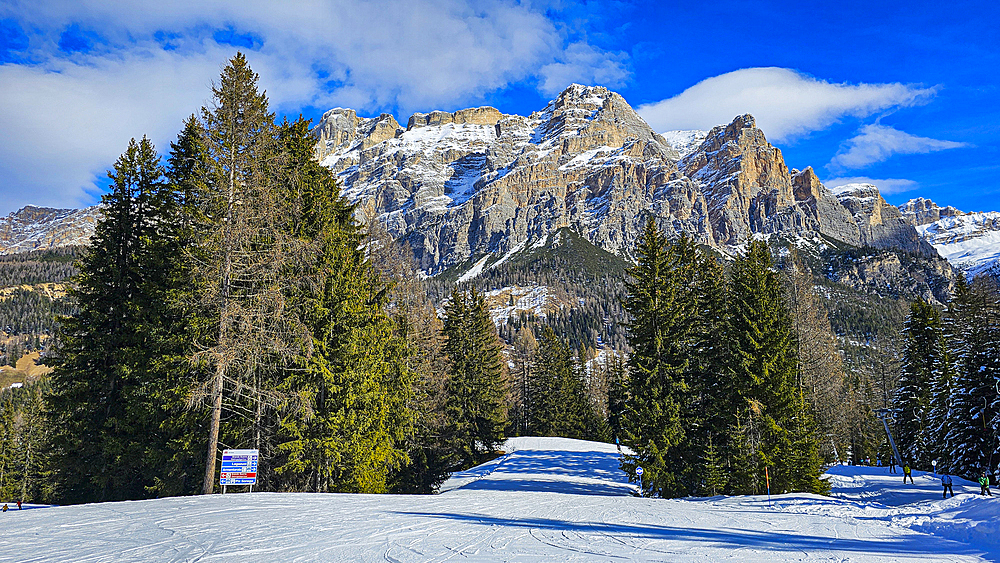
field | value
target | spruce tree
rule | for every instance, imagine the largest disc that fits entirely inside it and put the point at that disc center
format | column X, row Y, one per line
column 559, row 402
column 972, row 434
column 476, row 404
column 924, row 360
column 662, row 309
column 101, row 400
column 617, row 397
column 346, row 413
column 769, row 430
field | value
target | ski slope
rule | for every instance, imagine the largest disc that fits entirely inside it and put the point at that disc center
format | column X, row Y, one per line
column 548, row 499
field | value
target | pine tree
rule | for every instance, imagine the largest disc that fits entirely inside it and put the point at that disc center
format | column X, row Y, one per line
column 100, row 398
column 346, row 418
column 923, row 361
column 714, row 470
column 764, row 382
column 972, row 435
column 559, row 404
column 662, row 309
column 617, row 397
column 179, row 457
column 22, row 442
column 476, row 407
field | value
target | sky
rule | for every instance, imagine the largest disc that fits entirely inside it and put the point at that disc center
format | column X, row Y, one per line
column 905, row 95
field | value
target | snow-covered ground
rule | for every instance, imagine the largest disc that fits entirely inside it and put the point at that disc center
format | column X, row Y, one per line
column 548, row 499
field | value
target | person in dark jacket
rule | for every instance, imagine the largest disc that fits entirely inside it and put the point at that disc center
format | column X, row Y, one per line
column 946, row 483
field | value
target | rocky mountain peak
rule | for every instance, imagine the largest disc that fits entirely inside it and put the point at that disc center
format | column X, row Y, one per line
column 342, row 128
column 34, row 228
column 921, row 211
column 477, row 183
column 586, row 117
column 477, row 116
column 880, row 224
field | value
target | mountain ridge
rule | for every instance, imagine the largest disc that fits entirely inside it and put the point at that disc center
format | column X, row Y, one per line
column 478, row 182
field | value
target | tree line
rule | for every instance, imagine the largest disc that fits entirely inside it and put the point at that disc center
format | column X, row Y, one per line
column 229, row 299
column 715, row 397
column 947, row 406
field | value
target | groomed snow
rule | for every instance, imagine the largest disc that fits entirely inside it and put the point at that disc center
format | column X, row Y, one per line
column 547, row 499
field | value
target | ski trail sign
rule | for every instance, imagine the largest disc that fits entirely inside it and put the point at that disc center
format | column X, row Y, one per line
column 239, row 467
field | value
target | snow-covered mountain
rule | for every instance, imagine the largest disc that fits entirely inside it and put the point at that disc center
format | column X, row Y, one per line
column 38, row 228
column 970, row 241
column 477, row 186
column 478, row 182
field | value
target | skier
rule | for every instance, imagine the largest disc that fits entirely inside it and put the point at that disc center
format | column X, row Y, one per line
column 617, row 444
column 907, row 473
column 946, row 483
column 19, row 504
column 4, row 507
column 984, row 482
column 892, row 465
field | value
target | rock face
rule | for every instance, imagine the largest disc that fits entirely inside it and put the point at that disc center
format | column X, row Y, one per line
column 38, row 228
column 478, row 182
column 920, row 211
column 880, row 224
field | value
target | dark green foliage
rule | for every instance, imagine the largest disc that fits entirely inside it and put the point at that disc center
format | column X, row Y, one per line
column 772, row 428
column 924, row 360
column 22, row 443
column 558, row 404
column 710, row 355
column 101, row 399
column 26, row 311
column 476, row 404
column 617, row 383
column 589, row 280
column 714, row 471
column 974, row 320
column 39, row 266
column 346, row 417
column 662, row 310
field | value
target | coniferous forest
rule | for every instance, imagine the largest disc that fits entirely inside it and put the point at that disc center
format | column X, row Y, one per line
column 231, row 299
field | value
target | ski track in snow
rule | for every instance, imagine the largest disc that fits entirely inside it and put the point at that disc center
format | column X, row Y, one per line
column 547, row 499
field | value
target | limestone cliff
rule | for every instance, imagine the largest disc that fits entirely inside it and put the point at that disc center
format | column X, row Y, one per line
column 478, row 182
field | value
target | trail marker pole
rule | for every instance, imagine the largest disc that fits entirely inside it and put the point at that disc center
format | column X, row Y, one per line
column 883, row 415
column 638, row 472
column 934, row 465
column 767, row 476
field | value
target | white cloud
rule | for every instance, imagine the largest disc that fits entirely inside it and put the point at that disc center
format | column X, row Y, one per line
column 886, row 186
column 785, row 103
column 66, row 122
column 71, row 115
column 582, row 63
column 876, row 143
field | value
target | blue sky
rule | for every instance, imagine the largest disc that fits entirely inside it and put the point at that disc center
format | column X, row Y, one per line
column 903, row 94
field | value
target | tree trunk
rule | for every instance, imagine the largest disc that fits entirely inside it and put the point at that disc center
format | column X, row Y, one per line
column 208, row 485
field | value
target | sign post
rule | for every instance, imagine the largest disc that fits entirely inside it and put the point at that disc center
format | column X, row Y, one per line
column 239, row 467
column 638, row 473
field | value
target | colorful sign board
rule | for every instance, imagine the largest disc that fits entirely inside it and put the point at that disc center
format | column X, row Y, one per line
column 239, row 467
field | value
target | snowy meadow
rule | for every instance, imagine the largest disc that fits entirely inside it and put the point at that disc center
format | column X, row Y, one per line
column 547, row 499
